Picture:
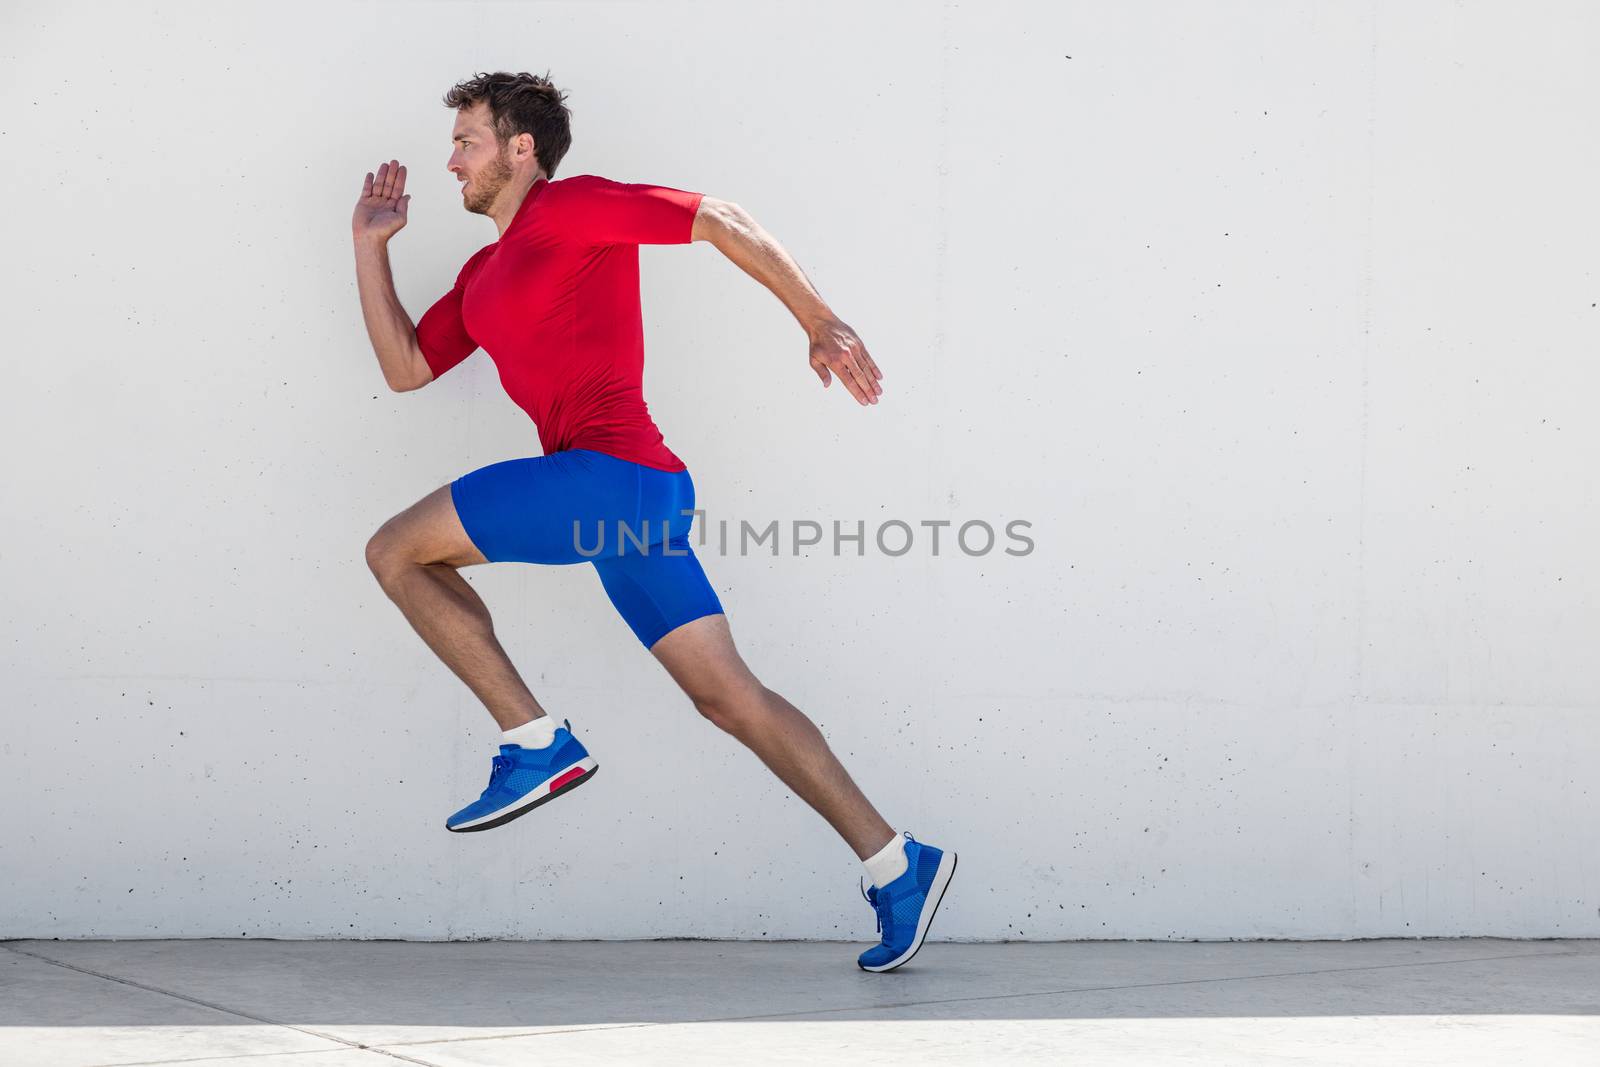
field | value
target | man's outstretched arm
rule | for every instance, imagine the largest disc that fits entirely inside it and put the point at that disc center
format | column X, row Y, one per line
column 834, row 345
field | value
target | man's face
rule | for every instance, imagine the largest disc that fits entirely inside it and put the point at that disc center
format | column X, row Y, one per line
column 477, row 159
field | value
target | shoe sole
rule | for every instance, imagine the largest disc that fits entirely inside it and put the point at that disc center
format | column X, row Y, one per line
column 941, row 882
column 586, row 766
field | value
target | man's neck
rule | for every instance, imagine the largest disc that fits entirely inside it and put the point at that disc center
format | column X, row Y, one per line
column 503, row 215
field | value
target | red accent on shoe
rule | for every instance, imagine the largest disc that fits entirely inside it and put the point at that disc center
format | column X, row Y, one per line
column 576, row 772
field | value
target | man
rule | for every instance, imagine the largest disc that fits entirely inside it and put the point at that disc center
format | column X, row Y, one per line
column 555, row 303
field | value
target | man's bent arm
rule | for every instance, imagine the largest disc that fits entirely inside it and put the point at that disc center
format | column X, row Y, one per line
column 835, row 346
column 393, row 334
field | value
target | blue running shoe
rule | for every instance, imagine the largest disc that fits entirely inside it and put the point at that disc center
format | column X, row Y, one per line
column 524, row 778
column 906, row 905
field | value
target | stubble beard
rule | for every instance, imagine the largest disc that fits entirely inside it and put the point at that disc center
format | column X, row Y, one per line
column 486, row 185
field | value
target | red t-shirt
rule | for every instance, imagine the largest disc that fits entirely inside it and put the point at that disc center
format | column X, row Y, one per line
column 555, row 303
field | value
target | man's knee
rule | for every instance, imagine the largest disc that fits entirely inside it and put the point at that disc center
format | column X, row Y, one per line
column 731, row 706
column 384, row 554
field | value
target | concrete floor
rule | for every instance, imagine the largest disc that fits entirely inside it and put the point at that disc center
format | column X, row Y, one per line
column 355, row 1003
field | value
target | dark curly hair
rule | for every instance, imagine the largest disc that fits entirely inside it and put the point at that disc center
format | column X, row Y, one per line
column 521, row 103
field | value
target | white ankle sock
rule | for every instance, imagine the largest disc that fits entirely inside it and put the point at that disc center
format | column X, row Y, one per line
column 888, row 863
column 536, row 734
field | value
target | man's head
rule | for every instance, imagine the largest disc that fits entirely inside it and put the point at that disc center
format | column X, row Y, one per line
column 510, row 130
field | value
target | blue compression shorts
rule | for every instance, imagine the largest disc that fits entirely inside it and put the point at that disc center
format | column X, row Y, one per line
column 582, row 506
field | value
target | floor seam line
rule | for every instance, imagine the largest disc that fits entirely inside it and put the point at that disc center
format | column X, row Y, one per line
column 347, row 1045
column 225, row 1056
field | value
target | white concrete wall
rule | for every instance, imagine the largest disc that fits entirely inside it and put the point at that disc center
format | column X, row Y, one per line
column 1277, row 321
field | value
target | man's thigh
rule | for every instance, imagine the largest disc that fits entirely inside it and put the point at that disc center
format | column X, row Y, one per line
column 429, row 531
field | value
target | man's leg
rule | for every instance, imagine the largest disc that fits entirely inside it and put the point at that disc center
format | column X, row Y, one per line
column 414, row 556
column 701, row 658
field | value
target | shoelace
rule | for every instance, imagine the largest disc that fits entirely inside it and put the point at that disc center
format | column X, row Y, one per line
column 879, row 902
column 502, row 767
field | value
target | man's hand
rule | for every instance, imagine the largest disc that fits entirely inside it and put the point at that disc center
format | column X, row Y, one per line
column 835, row 347
column 381, row 210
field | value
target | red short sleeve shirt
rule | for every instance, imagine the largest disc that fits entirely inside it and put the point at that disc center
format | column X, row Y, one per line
column 555, row 303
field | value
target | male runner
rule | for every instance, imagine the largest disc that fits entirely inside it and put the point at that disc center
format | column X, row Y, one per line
column 555, row 303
